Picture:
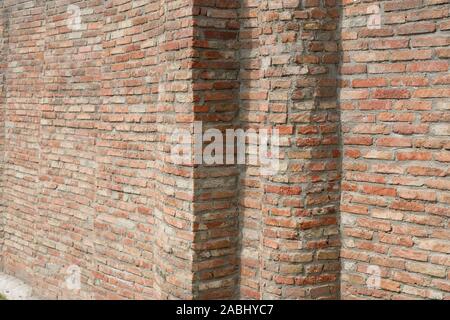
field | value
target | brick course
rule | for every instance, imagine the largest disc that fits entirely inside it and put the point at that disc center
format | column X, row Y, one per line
column 87, row 176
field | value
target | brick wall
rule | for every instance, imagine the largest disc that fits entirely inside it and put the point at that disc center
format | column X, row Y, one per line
column 22, row 108
column 395, row 102
column 3, row 57
column 89, row 106
column 67, row 119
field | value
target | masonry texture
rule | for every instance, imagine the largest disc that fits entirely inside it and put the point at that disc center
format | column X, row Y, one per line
column 87, row 177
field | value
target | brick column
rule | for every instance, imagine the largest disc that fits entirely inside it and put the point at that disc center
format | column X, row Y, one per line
column 289, row 83
column 174, row 186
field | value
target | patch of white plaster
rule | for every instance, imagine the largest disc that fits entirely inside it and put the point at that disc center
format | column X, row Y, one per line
column 15, row 289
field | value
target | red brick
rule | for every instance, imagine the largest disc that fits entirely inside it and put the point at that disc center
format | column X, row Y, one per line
column 86, row 150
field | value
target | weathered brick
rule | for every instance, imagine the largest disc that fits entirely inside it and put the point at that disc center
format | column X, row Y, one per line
column 87, row 177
